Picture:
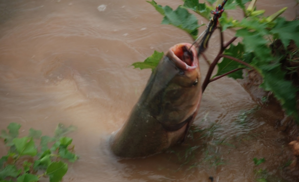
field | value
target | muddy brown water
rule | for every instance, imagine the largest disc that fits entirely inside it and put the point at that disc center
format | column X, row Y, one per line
column 68, row 61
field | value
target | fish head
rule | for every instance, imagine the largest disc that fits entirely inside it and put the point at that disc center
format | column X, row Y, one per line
column 176, row 89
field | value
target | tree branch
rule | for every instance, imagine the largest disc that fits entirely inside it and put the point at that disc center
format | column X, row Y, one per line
column 229, row 42
column 206, row 59
column 237, row 60
column 221, row 40
column 225, row 74
column 210, row 71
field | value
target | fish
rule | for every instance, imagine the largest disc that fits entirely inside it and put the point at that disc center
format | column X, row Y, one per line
column 167, row 107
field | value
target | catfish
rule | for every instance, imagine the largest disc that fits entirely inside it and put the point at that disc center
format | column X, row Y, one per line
column 167, row 107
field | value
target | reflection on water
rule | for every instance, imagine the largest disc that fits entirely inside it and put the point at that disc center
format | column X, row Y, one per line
column 68, row 61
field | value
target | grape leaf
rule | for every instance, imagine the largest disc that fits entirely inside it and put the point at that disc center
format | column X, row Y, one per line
column 150, row 62
column 211, row 1
column 226, row 22
column 66, row 154
column 56, row 171
column 253, row 24
column 230, row 4
column 44, row 161
column 286, row 31
column 9, row 171
column 44, row 142
column 26, row 166
column 200, row 8
column 242, row 3
column 227, row 65
column 25, row 146
column 13, row 132
column 255, row 42
column 182, row 19
column 158, row 7
column 258, row 161
column 62, row 130
column 65, row 141
column 3, row 160
column 27, row 178
column 36, row 134
column 283, row 90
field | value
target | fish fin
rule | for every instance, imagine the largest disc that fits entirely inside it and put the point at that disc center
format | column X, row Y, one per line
column 190, row 121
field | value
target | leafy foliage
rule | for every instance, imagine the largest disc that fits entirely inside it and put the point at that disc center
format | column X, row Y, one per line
column 150, row 62
column 227, row 64
column 22, row 150
column 180, row 18
column 258, row 161
column 200, row 8
column 257, row 32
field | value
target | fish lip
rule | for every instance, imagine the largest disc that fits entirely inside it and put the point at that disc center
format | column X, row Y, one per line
column 180, row 63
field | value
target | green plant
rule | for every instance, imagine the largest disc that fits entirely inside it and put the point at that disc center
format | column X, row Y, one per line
column 256, row 32
column 28, row 162
column 258, row 161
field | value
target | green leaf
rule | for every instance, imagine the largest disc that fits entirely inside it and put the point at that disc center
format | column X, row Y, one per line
column 45, row 140
column 26, row 166
column 65, row 141
column 159, row 8
column 262, row 180
column 36, row 134
column 252, row 24
column 61, row 130
column 9, row 171
column 3, row 161
column 200, row 8
column 56, row 171
column 44, row 161
column 13, row 132
column 242, row 3
column 276, row 15
column 25, row 146
column 286, row 31
column 227, row 65
column 55, row 146
column 182, row 19
column 14, row 129
column 230, row 4
column 211, row 1
column 27, row 178
column 226, row 22
column 258, row 161
column 283, row 90
column 66, row 154
column 255, row 42
column 150, row 62
column 256, row 13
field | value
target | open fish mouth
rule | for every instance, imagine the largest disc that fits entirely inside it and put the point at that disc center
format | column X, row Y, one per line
column 184, row 57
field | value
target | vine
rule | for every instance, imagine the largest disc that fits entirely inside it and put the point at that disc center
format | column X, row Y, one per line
column 256, row 33
column 27, row 162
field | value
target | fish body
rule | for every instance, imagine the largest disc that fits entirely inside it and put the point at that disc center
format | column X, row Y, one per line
column 166, row 108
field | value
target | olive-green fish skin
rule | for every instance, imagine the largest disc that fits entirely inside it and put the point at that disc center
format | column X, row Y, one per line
column 172, row 95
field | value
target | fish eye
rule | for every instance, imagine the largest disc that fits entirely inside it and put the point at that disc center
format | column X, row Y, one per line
column 195, row 82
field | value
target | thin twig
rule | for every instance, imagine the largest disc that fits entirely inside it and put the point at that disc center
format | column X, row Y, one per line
column 210, row 71
column 221, row 40
column 206, row 59
column 225, row 74
column 214, row 63
column 229, row 42
column 237, row 60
